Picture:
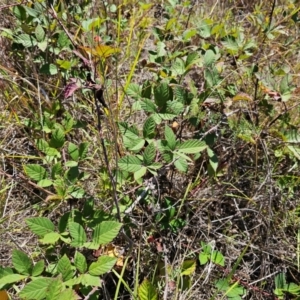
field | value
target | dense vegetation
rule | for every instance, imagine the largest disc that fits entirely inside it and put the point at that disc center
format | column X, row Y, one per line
column 149, row 150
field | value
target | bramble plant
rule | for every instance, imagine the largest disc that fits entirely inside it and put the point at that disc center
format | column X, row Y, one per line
column 134, row 134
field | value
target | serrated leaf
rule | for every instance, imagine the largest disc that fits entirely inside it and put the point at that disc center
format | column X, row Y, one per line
column 178, row 67
column 231, row 45
column 188, row 267
column 149, row 128
column 203, row 258
column 205, row 28
column 90, row 280
column 35, row 172
column 148, row 106
column 105, row 232
column 26, row 40
column 39, row 33
column 38, row 268
column 162, row 93
column 77, row 233
column 135, row 145
column 103, row 265
column 68, row 294
column 134, row 90
column 11, row 278
column 129, row 163
column 285, row 85
column 65, row 268
column 147, row 291
column 36, row 290
column 149, row 154
column 192, row 146
column 40, row 225
column 175, row 107
column 73, row 151
column 181, row 164
column 140, row 173
column 41, row 144
column 209, row 58
column 170, row 138
column 146, row 89
column 58, row 138
column 54, row 289
column 45, row 183
column 80, row 262
column 83, row 150
column 191, row 59
column 218, row 258
column 50, row 238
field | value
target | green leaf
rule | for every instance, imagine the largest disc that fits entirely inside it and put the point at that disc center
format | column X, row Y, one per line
column 191, row 59
column 36, row 289
column 49, row 69
column 42, row 145
column 80, row 262
column 58, row 138
column 68, row 294
column 140, row 173
column 192, row 146
column 147, row 291
column 205, row 28
column 162, row 93
column 146, row 89
column 149, row 128
column 212, row 77
column 63, row 40
column 170, row 138
column 73, row 151
column 65, row 268
column 178, row 67
column 45, row 183
column 181, row 164
column 89, row 280
column 39, row 33
column 134, row 91
column 40, row 225
column 5, row 271
column 129, row 163
column 213, row 159
column 231, row 45
column 203, row 258
column 175, row 107
column 188, row 34
column 135, row 145
column 35, row 172
column 148, row 106
column 102, row 265
column 50, row 238
column 26, row 40
column 83, row 150
column 105, row 232
column 218, row 258
column 20, row 12
column 78, row 234
column 149, row 154
column 188, row 267
column 209, row 58
column 38, row 268
column 11, row 278
column 55, row 288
